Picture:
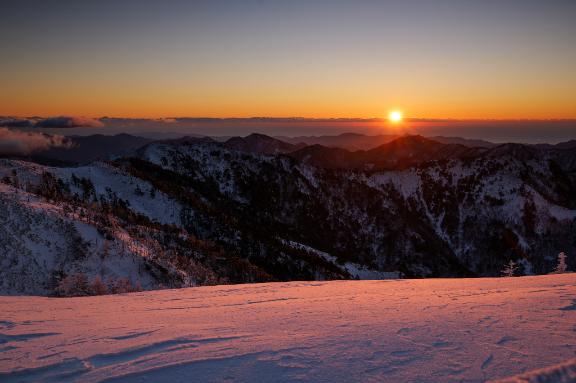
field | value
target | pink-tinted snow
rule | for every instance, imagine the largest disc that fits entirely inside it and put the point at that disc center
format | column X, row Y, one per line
column 435, row 330
column 561, row 373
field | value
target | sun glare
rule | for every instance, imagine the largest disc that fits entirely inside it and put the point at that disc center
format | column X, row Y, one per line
column 395, row 116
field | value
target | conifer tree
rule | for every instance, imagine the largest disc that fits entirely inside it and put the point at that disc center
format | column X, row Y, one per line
column 561, row 267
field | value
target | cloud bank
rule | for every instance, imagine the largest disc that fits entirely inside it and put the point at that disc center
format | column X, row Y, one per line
column 51, row 122
column 526, row 131
column 10, row 122
column 15, row 142
column 69, row 122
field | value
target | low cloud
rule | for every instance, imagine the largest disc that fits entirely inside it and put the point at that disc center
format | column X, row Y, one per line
column 15, row 142
column 16, row 122
column 166, row 120
column 69, row 122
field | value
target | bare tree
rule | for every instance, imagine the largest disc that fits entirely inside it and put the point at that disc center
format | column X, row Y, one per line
column 509, row 269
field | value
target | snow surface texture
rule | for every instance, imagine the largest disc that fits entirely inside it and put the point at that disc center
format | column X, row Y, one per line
column 435, row 330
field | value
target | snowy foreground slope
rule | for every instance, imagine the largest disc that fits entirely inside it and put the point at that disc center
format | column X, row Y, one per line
column 435, row 330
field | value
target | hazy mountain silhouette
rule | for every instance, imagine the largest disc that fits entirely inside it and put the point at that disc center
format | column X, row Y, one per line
column 262, row 144
column 357, row 141
column 399, row 153
column 90, row 148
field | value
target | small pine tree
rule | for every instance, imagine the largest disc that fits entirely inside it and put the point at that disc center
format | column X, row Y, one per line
column 123, row 285
column 15, row 180
column 98, row 287
column 105, row 250
column 138, row 191
column 75, row 285
column 509, row 269
column 561, row 267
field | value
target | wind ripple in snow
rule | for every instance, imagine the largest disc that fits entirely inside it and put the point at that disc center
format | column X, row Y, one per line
column 434, row 330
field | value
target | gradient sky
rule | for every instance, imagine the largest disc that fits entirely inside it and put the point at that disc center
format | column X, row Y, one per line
column 505, row 59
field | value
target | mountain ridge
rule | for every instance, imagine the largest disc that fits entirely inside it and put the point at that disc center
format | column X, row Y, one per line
column 193, row 212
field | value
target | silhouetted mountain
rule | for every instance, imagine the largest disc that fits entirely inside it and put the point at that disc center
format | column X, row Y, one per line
column 397, row 154
column 262, row 144
column 188, row 139
column 90, row 148
column 412, row 150
column 566, row 145
column 157, row 136
column 349, row 141
column 463, row 141
column 562, row 145
column 357, row 141
column 327, row 157
column 520, row 151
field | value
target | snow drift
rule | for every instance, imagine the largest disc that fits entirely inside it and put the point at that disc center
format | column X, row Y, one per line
column 435, row 330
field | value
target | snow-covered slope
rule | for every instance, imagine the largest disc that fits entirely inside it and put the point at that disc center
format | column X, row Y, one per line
column 95, row 221
column 40, row 242
column 142, row 197
column 108, row 183
column 204, row 213
column 436, row 330
column 458, row 216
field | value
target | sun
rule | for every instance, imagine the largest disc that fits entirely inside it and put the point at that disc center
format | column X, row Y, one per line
column 395, row 116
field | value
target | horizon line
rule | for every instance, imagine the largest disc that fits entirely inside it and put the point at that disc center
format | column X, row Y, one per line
column 291, row 118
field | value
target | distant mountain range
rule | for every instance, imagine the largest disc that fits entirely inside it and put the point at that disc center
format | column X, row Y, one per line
column 360, row 151
column 396, row 154
column 356, row 141
column 262, row 144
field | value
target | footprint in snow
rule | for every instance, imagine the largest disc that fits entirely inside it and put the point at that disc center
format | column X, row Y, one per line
column 441, row 344
column 487, row 362
column 505, row 339
column 133, row 335
column 4, row 324
column 404, row 330
column 571, row 307
column 5, row 338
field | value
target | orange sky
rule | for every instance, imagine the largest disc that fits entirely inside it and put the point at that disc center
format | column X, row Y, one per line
column 228, row 91
column 450, row 59
column 156, row 100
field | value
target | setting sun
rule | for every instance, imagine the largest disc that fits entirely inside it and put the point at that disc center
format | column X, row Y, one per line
column 395, row 116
